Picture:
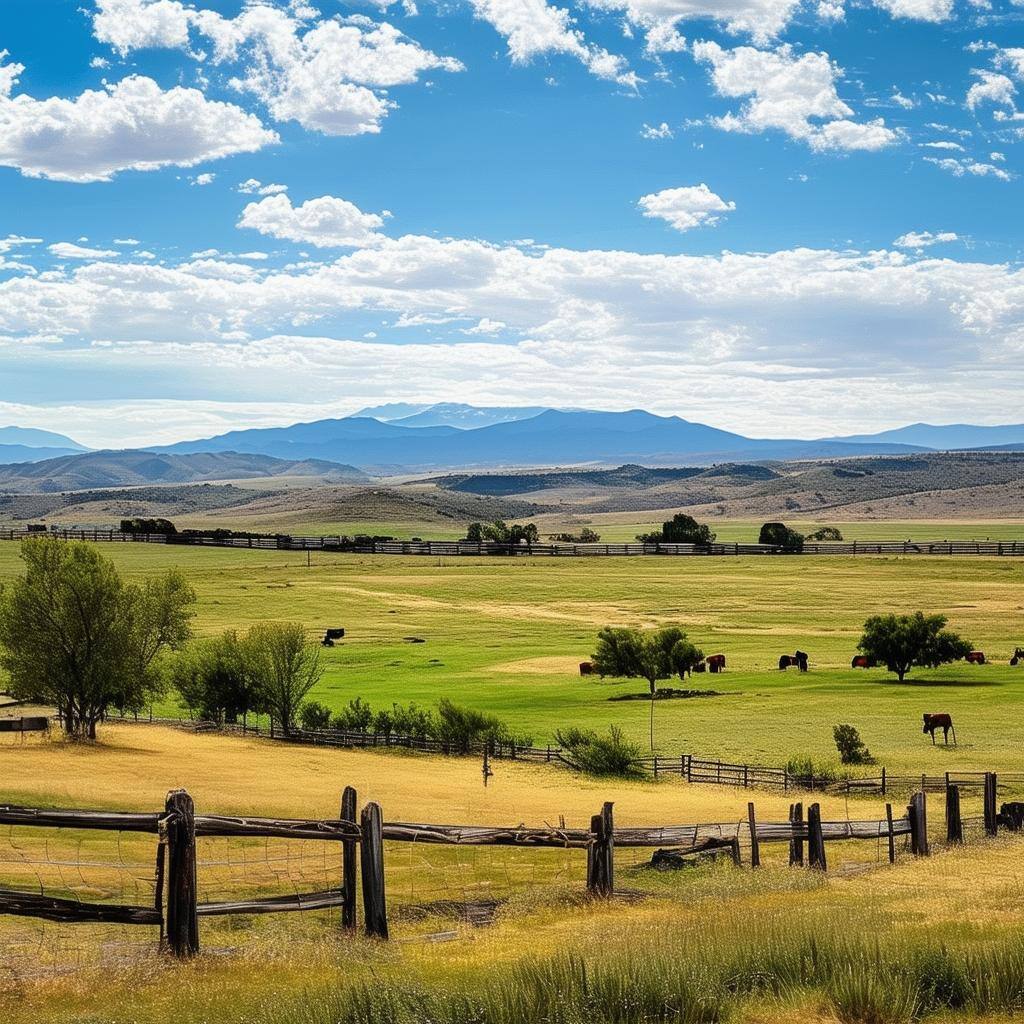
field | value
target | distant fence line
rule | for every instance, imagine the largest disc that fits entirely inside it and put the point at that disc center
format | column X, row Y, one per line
column 441, row 548
column 176, row 909
column 688, row 767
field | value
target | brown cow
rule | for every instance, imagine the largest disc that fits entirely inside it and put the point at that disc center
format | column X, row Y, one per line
column 862, row 661
column 976, row 658
column 943, row 722
column 586, row 668
column 716, row 662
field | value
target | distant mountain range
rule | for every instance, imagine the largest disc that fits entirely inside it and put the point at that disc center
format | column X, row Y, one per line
column 402, row 438
column 92, row 470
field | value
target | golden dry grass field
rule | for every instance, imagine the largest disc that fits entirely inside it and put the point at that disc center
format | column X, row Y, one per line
column 256, row 968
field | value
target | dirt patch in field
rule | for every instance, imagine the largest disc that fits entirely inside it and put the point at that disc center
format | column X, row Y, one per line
column 553, row 665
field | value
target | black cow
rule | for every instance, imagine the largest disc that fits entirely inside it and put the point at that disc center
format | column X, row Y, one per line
column 330, row 636
column 799, row 659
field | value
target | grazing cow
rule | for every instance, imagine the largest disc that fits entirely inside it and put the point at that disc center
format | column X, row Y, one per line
column 976, row 658
column 799, row 659
column 943, row 722
column 862, row 661
column 1018, row 656
column 716, row 662
column 330, row 636
column 586, row 668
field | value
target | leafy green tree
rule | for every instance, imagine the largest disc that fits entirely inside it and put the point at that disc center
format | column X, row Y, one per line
column 781, row 536
column 216, row 679
column 901, row 642
column 685, row 657
column 639, row 653
column 680, row 529
column 285, row 667
column 75, row 636
column 315, row 716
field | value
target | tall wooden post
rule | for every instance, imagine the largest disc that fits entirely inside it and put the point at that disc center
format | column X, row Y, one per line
column 371, row 863
column 917, row 812
column 954, row 825
column 796, row 844
column 182, row 920
column 348, row 863
column 601, row 854
column 755, row 846
column 815, row 839
column 991, row 822
column 892, row 834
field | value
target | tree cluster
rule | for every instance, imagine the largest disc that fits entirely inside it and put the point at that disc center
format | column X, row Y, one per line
column 502, row 533
column 585, row 536
column 781, row 536
column 680, row 529
column 268, row 670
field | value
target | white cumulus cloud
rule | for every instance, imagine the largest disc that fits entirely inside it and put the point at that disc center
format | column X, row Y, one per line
column 924, row 239
column 693, row 206
column 130, row 125
column 918, row 10
column 327, row 222
column 788, row 92
column 73, row 251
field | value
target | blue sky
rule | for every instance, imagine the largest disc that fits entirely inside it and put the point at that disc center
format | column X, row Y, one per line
column 780, row 217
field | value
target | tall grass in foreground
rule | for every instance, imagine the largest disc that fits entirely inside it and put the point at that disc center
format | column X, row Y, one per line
column 662, row 975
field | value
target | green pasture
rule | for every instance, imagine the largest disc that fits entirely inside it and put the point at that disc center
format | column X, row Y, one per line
column 505, row 635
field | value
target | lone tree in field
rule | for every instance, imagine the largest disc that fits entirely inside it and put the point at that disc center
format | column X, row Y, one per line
column 901, row 642
column 75, row 636
column 285, row 668
column 639, row 653
column 781, row 536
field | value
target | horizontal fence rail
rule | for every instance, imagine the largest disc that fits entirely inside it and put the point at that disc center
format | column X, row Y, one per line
column 176, row 908
column 441, row 548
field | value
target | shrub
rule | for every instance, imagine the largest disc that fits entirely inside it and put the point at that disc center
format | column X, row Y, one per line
column 313, row 715
column 357, row 717
column 802, row 767
column 850, row 746
column 825, row 533
column 600, row 755
column 413, row 721
column 462, row 728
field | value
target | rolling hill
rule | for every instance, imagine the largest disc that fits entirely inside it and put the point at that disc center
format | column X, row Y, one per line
column 92, row 470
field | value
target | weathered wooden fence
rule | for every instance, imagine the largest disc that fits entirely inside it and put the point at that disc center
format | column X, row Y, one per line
column 441, row 548
column 176, row 909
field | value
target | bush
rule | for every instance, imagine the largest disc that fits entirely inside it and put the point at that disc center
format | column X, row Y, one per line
column 313, row 715
column 850, row 746
column 462, row 728
column 357, row 717
column 802, row 767
column 600, row 755
column 412, row 721
column 825, row 533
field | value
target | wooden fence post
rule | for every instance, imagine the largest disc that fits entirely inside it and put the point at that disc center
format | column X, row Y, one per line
column 917, row 812
column 601, row 854
column 991, row 822
column 755, row 846
column 348, row 863
column 815, row 839
column 371, row 863
column 892, row 834
column 182, row 921
column 796, row 844
column 954, row 825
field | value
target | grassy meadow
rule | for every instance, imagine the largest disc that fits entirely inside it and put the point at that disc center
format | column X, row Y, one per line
column 506, row 635
column 866, row 943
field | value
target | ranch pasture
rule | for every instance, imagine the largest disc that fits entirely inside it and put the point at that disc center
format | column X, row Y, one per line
column 263, row 969
column 507, row 636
